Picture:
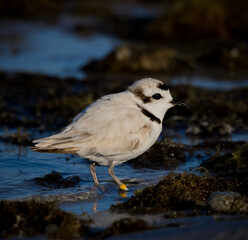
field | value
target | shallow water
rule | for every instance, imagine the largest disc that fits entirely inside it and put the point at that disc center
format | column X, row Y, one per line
column 18, row 165
column 209, row 82
column 37, row 47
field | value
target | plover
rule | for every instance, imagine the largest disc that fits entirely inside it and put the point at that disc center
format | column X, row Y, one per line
column 116, row 128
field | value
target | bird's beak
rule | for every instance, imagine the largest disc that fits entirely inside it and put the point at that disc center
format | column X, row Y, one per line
column 177, row 103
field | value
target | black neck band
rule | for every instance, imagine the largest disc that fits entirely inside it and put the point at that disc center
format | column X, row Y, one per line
column 149, row 115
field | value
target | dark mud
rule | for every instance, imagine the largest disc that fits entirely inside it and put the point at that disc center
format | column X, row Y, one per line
column 32, row 218
column 56, row 180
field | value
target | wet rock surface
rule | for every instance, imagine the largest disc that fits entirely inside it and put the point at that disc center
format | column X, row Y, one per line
column 228, row 202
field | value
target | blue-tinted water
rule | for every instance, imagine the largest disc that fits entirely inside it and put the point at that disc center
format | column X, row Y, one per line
column 18, row 165
column 49, row 49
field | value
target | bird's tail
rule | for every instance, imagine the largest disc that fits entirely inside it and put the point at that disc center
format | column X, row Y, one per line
column 58, row 143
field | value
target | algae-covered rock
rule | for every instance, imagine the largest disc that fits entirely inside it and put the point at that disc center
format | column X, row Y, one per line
column 56, row 180
column 175, row 192
column 194, row 20
column 40, row 100
column 214, row 112
column 34, row 218
column 228, row 202
column 228, row 163
column 140, row 58
column 163, row 154
column 233, row 166
column 62, row 109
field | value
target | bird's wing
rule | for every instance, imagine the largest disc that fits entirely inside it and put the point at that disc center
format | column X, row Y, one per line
column 107, row 127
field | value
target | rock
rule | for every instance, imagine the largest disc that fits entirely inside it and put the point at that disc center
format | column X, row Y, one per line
column 140, row 58
column 228, row 202
column 51, row 230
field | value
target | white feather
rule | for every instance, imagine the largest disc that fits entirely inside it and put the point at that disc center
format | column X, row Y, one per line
column 112, row 129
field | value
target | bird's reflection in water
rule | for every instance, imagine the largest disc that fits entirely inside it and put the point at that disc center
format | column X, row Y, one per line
column 94, row 207
column 123, row 194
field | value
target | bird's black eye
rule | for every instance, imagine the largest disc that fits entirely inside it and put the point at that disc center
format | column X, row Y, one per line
column 156, row 96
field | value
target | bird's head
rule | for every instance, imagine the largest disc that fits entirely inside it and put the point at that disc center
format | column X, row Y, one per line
column 154, row 96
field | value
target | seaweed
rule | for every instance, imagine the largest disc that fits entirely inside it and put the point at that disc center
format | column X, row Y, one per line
column 194, row 20
column 35, row 218
column 56, row 180
column 41, row 101
column 144, row 58
column 213, row 113
column 233, row 166
column 187, row 191
column 163, row 154
column 176, row 192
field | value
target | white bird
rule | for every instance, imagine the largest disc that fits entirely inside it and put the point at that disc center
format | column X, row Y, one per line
column 116, row 128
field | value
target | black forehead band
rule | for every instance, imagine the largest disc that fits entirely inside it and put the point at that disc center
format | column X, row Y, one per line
column 163, row 86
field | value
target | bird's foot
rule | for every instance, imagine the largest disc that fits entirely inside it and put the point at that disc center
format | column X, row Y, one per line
column 123, row 187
